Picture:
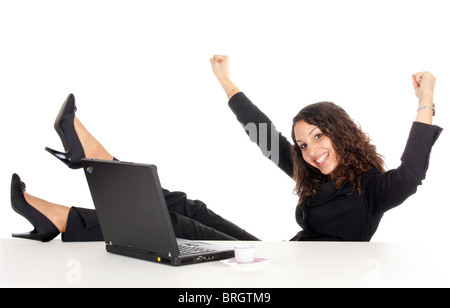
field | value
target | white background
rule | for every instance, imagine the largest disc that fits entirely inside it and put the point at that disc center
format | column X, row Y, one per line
column 144, row 87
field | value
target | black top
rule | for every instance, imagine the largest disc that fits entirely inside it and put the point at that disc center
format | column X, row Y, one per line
column 335, row 214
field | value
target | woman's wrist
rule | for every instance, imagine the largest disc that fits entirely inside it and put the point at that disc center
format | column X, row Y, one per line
column 426, row 111
column 232, row 92
column 229, row 87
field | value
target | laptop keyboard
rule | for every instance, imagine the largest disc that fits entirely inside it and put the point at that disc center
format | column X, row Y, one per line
column 189, row 249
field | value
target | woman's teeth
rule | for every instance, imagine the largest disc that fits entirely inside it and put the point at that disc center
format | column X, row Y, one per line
column 322, row 158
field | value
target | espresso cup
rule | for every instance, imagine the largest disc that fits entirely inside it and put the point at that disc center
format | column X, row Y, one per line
column 244, row 254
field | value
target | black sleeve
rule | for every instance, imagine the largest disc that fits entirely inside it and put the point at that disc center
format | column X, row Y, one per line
column 387, row 190
column 262, row 131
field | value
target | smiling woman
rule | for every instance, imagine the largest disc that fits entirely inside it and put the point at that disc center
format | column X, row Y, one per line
column 341, row 181
column 330, row 146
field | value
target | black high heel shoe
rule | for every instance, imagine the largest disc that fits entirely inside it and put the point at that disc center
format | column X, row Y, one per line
column 65, row 128
column 44, row 229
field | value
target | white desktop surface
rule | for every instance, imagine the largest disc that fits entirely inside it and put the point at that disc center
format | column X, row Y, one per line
column 25, row 263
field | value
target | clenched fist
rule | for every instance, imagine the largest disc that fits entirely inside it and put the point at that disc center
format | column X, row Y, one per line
column 423, row 83
column 220, row 66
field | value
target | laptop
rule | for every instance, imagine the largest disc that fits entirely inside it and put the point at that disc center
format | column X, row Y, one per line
column 134, row 218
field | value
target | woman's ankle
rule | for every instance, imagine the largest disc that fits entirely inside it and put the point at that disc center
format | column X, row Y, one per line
column 56, row 213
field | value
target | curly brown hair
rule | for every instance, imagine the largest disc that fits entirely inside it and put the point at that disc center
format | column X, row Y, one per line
column 356, row 155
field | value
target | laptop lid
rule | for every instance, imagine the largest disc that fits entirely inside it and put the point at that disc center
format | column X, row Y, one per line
column 131, row 207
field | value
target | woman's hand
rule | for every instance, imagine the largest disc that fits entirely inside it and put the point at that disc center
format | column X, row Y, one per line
column 423, row 83
column 221, row 68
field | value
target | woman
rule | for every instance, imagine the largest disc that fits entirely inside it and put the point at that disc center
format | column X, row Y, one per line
column 342, row 187
column 340, row 180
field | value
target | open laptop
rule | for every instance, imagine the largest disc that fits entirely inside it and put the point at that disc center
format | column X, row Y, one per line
column 134, row 218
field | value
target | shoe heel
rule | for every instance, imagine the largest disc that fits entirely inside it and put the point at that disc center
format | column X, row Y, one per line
column 33, row 235
column 64, row 157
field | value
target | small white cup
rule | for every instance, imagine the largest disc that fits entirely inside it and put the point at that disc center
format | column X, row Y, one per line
column 244, row 254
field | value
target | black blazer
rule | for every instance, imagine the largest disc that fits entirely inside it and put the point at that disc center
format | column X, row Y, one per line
column 337, row 214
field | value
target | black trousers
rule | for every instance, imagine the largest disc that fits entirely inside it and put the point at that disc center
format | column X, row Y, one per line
column 191, row 219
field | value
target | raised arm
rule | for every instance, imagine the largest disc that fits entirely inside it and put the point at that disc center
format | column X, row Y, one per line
column 390, row 189
column 257, row 125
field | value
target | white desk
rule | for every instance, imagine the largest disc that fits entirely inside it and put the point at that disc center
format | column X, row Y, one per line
column 25, row 263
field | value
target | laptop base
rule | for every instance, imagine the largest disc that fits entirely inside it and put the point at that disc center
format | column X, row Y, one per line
column 169, row 261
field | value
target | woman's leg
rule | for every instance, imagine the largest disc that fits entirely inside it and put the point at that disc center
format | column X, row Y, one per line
column 92, row 148
column 191, row 219
column 82, row 226
column 74, row 223
column 56, row 213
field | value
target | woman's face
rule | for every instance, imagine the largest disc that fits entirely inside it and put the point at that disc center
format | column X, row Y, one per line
column 317, row 149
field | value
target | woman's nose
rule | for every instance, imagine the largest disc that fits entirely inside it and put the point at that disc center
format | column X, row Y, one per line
column 312, row 151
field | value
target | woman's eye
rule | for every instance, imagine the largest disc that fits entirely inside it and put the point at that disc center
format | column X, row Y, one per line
column 318, row 136
column 302, row 146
